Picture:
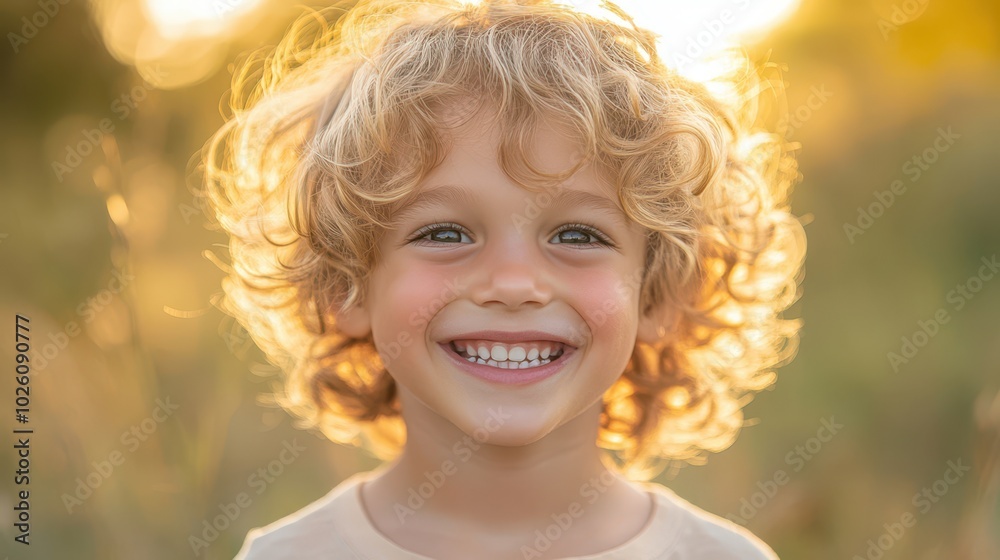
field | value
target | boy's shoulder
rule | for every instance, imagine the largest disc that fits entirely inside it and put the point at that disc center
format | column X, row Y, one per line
column 701, row 534
column 305, row 534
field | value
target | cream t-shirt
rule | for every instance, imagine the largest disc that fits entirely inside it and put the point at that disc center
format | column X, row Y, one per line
column 336, row 527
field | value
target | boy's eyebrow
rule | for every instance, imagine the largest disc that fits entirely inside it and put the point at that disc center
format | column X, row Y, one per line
column 564, row 196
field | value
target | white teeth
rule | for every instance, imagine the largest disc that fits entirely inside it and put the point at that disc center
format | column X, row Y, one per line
column 513, row 365
column 509, row 365
column 501, row 357
column 500, row 353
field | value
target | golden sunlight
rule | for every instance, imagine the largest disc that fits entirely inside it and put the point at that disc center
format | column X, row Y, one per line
column 174, row 43
column 176, row 18
column 691, row 33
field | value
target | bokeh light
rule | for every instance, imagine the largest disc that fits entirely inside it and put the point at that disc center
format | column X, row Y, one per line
column 174, row 43
column 180, row 18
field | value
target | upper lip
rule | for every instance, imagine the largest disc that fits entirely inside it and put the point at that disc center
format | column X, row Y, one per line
column 511, row 337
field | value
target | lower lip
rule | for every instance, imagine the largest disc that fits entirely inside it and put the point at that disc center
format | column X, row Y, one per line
column 508, row 376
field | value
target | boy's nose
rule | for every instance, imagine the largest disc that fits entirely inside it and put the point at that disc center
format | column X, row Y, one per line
column 512, row 274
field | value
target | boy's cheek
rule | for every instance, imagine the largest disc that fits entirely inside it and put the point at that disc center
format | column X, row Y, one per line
column 610, row 313
column 411, row 298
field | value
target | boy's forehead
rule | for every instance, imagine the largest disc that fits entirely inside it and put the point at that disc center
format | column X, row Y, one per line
column 471, row 129
column 471, row 166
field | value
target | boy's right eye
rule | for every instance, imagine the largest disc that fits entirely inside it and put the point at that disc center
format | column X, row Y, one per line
column 440, row 233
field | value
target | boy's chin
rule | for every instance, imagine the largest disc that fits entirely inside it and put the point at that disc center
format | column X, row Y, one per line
column 506, row 426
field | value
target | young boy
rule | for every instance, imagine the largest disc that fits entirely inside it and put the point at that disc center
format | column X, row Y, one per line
column 506, row 249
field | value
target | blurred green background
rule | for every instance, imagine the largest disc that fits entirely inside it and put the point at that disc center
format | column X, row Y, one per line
column 146, row 400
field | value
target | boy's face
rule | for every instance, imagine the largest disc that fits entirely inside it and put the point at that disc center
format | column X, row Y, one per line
column 505, row 259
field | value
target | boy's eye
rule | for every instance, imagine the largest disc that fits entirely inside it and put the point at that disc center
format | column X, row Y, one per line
column 570, row 234
column 439, row 233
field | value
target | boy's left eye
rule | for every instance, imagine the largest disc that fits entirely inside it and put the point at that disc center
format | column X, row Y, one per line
column 570, row 234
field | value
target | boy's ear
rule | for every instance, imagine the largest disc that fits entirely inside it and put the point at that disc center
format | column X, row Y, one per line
column 354, row 321
column 657, row 325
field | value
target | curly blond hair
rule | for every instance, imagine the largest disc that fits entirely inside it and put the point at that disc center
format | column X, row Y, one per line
column 337, row 127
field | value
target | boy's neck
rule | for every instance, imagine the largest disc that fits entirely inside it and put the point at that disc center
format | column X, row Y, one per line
column 444, row 479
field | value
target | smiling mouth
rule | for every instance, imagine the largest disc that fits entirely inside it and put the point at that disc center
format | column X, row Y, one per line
column 529, row 358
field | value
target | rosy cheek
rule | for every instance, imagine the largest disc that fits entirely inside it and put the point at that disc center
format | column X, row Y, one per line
column 411, row 294
column 599, row 299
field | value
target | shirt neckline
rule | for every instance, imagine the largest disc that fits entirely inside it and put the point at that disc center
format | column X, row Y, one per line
column 368, row 542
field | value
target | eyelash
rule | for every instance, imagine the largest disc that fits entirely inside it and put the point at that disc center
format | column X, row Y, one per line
column 602, row 240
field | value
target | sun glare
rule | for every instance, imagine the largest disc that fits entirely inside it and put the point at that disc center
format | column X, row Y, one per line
column 692, row 34
column 178, row 18
column 185, row 40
